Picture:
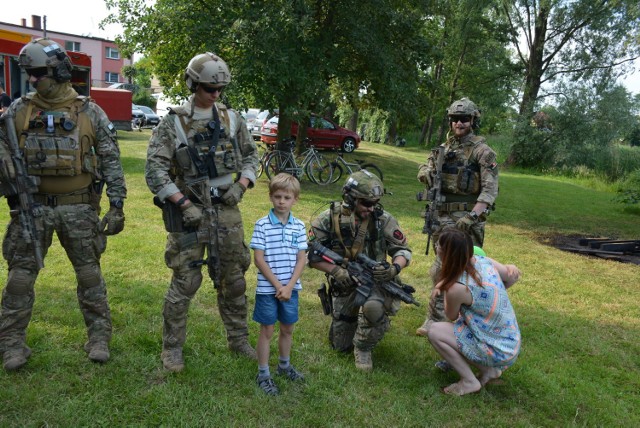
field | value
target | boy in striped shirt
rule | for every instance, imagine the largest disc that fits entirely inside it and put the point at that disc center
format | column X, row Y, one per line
column 279, row 244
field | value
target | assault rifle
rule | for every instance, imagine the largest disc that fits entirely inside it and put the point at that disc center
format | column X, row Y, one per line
column 24, row 186
column 434, row 198
column 361, row 270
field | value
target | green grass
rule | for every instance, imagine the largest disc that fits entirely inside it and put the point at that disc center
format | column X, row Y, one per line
column 580, row 322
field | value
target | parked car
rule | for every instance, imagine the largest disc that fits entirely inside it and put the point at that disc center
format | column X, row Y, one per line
column 151, row 118
column 138, row 118
column 250, row 117
column 322, row 132
column 260, row 120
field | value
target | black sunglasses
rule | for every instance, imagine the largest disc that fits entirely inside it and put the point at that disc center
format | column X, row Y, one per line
column 463, row 119
column 367, row 203
column 212, row 89
column 37, row 72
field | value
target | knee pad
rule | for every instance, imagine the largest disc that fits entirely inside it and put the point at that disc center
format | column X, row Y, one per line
column 234, row 289
column 20, row 282
column 88, row 276
column 373, row 311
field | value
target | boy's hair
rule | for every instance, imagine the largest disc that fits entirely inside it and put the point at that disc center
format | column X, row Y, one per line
column 284, row 181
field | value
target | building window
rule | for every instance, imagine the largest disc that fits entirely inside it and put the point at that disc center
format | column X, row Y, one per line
column 113, row 53
column 72, row 46
column 111, row 77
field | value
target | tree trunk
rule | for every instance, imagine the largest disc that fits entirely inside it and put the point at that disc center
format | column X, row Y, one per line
column 535, row 63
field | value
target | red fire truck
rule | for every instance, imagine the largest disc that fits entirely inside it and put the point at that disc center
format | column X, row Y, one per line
column 116, row 103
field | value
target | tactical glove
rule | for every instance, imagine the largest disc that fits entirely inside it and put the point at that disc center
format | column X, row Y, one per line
column 467, row 221
column 234, row 195
column 113, row 221
column 342, row 278
column 424, row 176
column 385, row 272
column 191, row 214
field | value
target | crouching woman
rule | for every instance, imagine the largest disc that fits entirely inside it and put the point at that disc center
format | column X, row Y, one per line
column 485, row 332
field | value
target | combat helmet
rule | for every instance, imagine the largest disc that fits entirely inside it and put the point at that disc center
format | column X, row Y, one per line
column 362, row 185
column 49, row 57
column 207, row 68
column 465, row 107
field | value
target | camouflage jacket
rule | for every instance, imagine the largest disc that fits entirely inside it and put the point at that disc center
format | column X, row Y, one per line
column 101, row 160
column 469, row 152
column 162, row 176
column 384, row 236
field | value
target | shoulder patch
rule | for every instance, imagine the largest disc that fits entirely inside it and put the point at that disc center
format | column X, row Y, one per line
column 397, row 234
column 312, row 235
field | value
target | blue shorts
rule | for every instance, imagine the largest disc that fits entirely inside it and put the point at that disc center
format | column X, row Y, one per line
column 268, row 309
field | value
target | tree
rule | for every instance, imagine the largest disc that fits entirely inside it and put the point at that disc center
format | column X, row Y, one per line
column 581, row 40
column 284, row 53
column 469, row 44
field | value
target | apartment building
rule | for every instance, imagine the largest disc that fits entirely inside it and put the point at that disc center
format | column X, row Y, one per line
column 106, row 58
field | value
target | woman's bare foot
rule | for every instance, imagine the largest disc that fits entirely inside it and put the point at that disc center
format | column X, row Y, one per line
column 463, row 387
column 488, row 374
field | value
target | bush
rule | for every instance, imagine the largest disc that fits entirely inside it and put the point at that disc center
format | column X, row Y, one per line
column 629, row 190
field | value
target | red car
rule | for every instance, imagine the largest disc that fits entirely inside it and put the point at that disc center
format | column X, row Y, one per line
column 323, row 133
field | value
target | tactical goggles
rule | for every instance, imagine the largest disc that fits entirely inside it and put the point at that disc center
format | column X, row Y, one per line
column 456, row 119
column 37, row 72
column 368, row 203
column 212, row 89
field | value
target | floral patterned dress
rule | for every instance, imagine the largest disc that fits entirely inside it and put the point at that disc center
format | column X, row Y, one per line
column 486, row 331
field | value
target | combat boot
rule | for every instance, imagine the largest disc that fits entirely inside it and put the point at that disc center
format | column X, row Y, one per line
column 15, row 358
column 98, row 351
column 172, row 359
column 363, row 359
column 242, row 347
column 423, row 330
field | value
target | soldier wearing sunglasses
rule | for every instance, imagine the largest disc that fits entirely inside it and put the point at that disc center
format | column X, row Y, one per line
column 359, row 224
column 469, row 185
column 200, row 161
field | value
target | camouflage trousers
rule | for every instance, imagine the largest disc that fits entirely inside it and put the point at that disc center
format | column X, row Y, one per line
column 362, row 327
column 77, row 229
column 447, row 220
column 222, row 227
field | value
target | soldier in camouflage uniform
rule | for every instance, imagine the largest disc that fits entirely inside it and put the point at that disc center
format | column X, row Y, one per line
column 360, row 224
column 70, row 145
column 469, row 186
column 192, row 157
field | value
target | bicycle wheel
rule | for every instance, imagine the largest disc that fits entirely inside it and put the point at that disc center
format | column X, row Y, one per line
column 277, row 162
column 337, row 172
column 373, row 170
column 319, row 170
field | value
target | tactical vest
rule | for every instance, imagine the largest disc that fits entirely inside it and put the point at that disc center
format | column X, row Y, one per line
column 198, row 154
column 59, row 146
column 344, row 230
column 460, row 173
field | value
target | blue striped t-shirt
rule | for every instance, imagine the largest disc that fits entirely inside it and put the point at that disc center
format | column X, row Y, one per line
column 281, row 244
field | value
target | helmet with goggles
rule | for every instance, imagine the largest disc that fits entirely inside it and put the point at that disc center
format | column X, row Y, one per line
column 44, row 57
column 207, row 68
column 362, row 185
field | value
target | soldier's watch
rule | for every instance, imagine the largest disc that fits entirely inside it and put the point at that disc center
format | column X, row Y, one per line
column 116, row 203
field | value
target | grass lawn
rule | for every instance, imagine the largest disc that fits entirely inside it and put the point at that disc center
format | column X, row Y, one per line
column 579, row 317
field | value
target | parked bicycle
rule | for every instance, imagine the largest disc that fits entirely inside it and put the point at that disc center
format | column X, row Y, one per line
column 264, row 151
column 317, row 168
column 340, row 166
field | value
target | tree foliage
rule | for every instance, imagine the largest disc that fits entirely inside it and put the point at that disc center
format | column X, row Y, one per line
column 285, row 53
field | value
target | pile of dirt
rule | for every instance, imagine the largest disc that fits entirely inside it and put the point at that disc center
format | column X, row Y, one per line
column 571, row 243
